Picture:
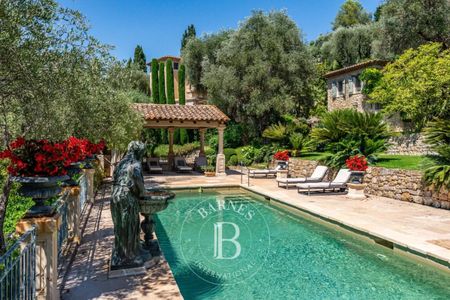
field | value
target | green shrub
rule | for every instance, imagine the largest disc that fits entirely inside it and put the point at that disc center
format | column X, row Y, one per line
column 169, row 82
column 437, row 135
column 163, row 150
column 17, row 205
column 232, row 136
column 161, row 84
column 155, row 88
column 347, row 132
column 233, row 161
column 229, row 152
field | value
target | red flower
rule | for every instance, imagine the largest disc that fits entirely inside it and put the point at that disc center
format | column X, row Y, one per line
column 357, row 163
column 282, row 155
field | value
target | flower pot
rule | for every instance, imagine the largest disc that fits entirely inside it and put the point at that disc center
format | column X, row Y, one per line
column 210, row 174
column 40, row 189
column 73, row 170
column 88, row 162
column 357, row 176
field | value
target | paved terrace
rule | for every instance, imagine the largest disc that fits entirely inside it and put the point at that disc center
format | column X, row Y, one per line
column 422, row 229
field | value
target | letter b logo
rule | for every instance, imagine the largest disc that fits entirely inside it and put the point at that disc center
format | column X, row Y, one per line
column 219, row 240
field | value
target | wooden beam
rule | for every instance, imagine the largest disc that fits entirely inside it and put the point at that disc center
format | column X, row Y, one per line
column 182, row 124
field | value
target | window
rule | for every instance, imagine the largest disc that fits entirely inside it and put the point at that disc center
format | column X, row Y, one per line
column 357, row 83
column 341, row 88
column 175, row 66
column 334, row 89
column 351, row 85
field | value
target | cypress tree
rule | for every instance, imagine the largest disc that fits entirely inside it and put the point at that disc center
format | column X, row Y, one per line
column 169, row 82
column 162, row 97
column 139, row 58
column 162, row 84
column 155, row 86
column 182, row 100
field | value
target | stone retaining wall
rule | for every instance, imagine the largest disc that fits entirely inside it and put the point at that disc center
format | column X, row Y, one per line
column 411, row 144
column 403, row 185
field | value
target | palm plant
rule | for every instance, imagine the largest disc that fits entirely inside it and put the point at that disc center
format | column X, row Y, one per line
column 299, row 142
column 347, row 132
column 437, row 135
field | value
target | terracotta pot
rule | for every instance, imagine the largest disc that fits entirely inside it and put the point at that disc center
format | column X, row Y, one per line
column 210, row 174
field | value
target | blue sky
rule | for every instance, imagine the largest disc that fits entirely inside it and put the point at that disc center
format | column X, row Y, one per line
column 158, row 25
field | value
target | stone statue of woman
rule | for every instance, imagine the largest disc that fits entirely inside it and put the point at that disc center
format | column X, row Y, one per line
column 128, row 187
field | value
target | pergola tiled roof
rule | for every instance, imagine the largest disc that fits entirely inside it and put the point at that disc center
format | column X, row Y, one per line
column 175, row 112
column 199, row 117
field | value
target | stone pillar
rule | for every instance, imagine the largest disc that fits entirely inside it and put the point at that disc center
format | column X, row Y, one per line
column 46, row 253
column 89, row 173
column 220, row 161
column 171, row 156
column 74, row 213
column 202, row 141
column 115, row 158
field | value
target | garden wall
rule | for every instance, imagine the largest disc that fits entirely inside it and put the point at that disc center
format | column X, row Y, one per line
column 403, row 185
column 411, row 144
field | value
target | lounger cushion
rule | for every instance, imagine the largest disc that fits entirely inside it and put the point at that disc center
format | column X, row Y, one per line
column 314, row 185
column 184, row 168
column 291, row 180
column 262, row 171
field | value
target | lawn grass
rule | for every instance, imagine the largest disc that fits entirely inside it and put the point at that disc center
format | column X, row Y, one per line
column 314, row 155
column 407, row 162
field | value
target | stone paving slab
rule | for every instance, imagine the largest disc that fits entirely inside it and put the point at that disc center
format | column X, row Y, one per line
column 88, row 275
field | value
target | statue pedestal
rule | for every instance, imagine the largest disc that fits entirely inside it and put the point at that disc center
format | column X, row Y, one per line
column 133, row 271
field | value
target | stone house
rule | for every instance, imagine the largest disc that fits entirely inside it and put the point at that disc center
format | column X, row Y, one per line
column 344, row 87
column 192, row 97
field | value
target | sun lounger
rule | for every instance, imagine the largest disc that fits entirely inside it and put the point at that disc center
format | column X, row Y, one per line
column 339, row 182
column 181, row 166
column 153, row 165
column 267, row 172
column 317, row 176
column 200, row 162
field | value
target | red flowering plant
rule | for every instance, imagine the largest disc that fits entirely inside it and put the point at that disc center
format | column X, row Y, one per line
column 36, row 158
column 357, row 163
column 80, row 149
column 282, row 155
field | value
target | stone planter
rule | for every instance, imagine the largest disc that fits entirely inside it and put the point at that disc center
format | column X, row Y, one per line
column 154, row 201
column 40, row 189
column 88, row 162
column 282, row 174
column 356, row 191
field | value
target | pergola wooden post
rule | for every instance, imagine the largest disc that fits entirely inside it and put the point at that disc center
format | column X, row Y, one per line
column 199, row 117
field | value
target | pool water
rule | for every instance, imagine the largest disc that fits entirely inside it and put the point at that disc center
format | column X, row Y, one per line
column 267, row 253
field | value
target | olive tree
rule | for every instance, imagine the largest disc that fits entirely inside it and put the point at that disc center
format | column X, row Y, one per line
column 261, row 71
column 56, row 80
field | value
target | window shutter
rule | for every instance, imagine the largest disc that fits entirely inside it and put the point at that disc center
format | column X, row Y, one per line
column 334, row 89
column 351, row 85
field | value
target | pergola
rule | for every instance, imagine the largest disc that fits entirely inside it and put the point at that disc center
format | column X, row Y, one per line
column 201, row 117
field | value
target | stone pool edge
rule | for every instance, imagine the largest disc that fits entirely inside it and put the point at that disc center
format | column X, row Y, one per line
column 402, row 248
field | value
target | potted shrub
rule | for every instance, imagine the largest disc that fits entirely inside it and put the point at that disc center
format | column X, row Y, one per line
column 281, row 159
column 358, row 165
column 209, row 170
column 40, row 167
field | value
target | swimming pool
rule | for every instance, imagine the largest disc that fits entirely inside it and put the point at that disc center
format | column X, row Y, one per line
column 230, row 245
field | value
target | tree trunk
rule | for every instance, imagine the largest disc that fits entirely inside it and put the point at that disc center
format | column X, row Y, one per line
column 3, row 205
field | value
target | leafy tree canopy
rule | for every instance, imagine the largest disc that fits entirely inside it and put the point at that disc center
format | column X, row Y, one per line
column 139, row 59
column 187, row 34
column 417, row 85
column 56, row 80
column 196, row 50
column 261, row 72
column 408, row 24
column 351, row 13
